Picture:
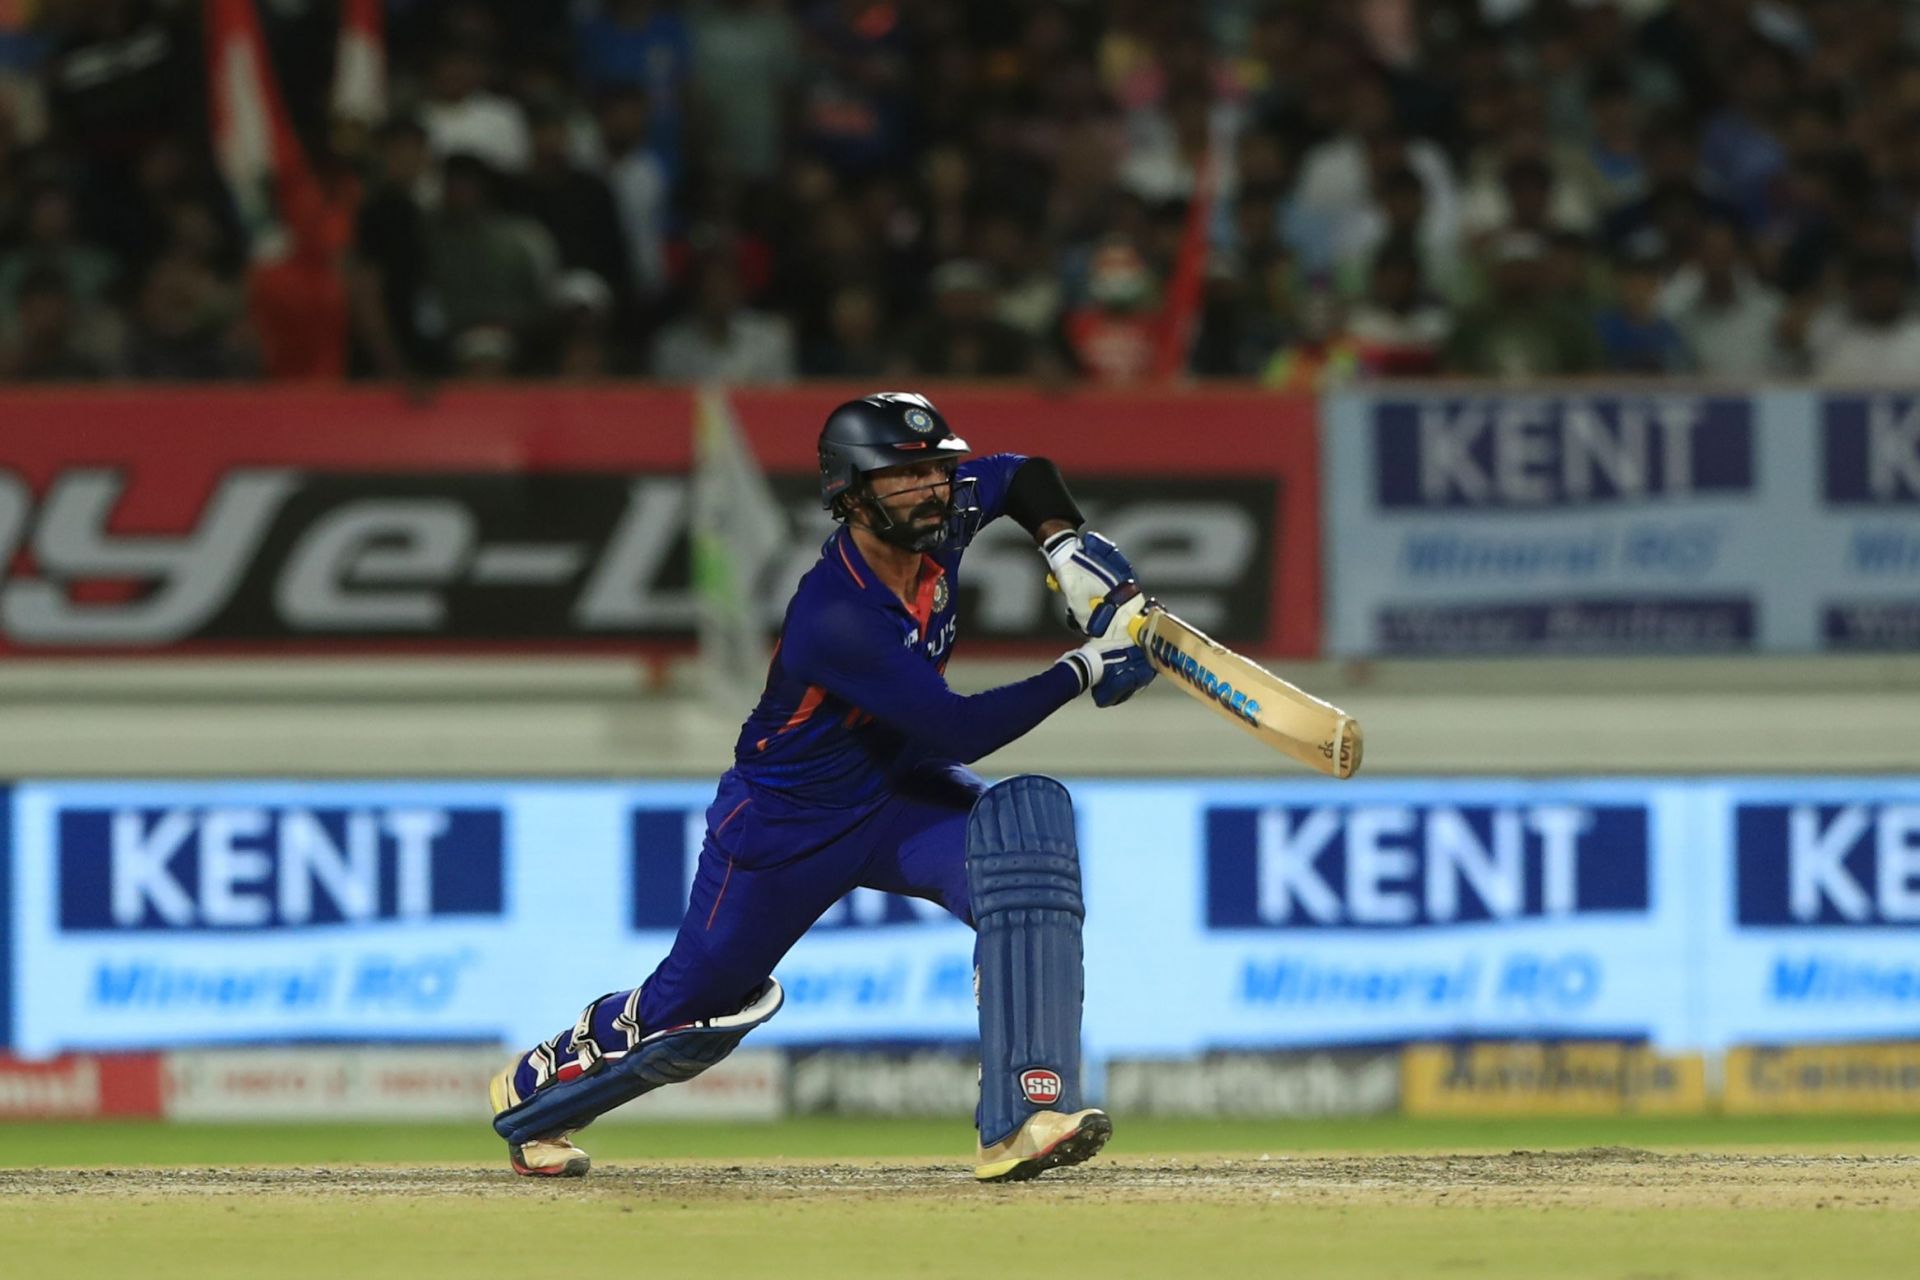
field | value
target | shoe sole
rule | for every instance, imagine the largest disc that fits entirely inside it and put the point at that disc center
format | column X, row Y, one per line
column 1083, row 1144
column 574, row 1168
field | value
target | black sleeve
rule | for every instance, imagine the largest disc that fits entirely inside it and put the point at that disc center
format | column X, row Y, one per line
column 1037, row 494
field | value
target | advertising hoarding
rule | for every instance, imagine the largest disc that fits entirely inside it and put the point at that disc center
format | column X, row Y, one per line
column 1603, row 521
column 314, row 520
column 1226, row 916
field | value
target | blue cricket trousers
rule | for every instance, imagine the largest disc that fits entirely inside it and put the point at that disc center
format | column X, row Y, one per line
column 763, row 881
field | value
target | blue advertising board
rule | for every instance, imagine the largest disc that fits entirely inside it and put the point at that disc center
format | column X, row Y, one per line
column 1814, row 926
column 1694, row 913
column 1602, row 522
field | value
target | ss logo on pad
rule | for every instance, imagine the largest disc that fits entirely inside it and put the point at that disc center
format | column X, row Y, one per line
column 1041, row 1086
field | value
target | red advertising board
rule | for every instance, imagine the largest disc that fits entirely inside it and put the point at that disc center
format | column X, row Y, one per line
column 271, row 520
column 80, row 1087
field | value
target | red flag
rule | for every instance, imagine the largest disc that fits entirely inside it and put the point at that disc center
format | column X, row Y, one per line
column 253, row 138
column 360, row 64
column 1182, row 307
column 296, row 226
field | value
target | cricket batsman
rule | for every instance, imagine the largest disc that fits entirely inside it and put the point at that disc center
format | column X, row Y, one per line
column 852, row 772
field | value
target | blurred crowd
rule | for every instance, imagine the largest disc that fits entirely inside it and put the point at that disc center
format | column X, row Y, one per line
column 1294, row 192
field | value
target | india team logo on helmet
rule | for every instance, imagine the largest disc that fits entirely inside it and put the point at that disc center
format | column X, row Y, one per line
column 1041, row 1086
column 920, row 420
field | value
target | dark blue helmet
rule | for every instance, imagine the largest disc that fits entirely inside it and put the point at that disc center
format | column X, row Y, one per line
column 886, row 429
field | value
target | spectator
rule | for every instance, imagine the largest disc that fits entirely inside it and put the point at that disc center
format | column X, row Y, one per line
column 47, row 345
column 722, row 340
column 187, row 326
column 1611, row 168
column 856, row 345
column 745, row 67
column 641, row 46
column 120, row 80
column 52, row 243
column 1519, row 331
column 1336, row 176
column 1529, row 197
column 1169, row 151
column 1399, row 330
column 1635, row 337
column 1247, row 313
column 1026, row 290
column 1320, row 353
column 855, row 103
column 962, row 339
column 485, row 269
column 397, row 332
column 463, row 117
column 1726, row 314
column 1740, row 148
column 583, row 328
column 642, row 192
column 1113, row 336
column 1878, row 339
column 1399, row 216
column 578, row 210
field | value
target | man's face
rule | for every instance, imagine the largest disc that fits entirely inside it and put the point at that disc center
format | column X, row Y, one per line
column 915, row 494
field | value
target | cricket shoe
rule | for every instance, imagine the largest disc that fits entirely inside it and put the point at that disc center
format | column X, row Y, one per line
column 1048, row 1140
column 554, row 1157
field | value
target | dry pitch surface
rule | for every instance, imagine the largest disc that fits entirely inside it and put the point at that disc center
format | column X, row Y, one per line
column 1610, row 1211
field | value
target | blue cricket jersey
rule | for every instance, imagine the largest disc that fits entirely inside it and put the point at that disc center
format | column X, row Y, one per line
column 856, row 695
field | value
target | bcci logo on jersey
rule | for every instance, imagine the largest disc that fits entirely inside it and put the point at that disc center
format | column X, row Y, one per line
column 274, row 867
column 1412, row 866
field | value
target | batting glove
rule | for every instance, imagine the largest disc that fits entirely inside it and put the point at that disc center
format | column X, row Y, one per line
column 1086, row 570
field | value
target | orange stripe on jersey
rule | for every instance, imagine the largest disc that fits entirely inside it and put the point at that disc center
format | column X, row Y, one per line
column 809, row 703
column 842, row 548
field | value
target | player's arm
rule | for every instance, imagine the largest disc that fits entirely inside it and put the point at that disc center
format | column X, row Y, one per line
column 1034, row 494
column 853, row 653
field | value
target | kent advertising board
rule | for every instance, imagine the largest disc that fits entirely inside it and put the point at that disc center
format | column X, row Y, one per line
column 1220, row 917
column 1608, row 522
column 319, row 520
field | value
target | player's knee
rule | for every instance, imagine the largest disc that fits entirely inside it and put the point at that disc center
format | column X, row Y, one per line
column 1022, row 852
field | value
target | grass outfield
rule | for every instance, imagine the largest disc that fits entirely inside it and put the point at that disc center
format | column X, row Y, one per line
column 1546, row 1199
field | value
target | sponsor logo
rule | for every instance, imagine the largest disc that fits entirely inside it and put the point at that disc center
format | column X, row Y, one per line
column 1257, row 1084
column 1398, row 866
column 1823, row 1078
column 272, row 554
column 1871, row 448
column 930, row 1081
column 1591, row 1078
column 1647, row 624
column 1855, row 865
column 1185, row 666
column 1526, row 453
column 80, row 1086
column 274, row 867
column 1040, row 1086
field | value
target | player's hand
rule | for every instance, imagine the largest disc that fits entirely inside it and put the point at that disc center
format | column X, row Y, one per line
column 1111, row 663
column 1114, row 669
column 1085, row 571
column 1133, row 673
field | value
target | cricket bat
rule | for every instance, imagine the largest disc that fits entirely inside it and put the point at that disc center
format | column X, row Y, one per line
column 1286, row 718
